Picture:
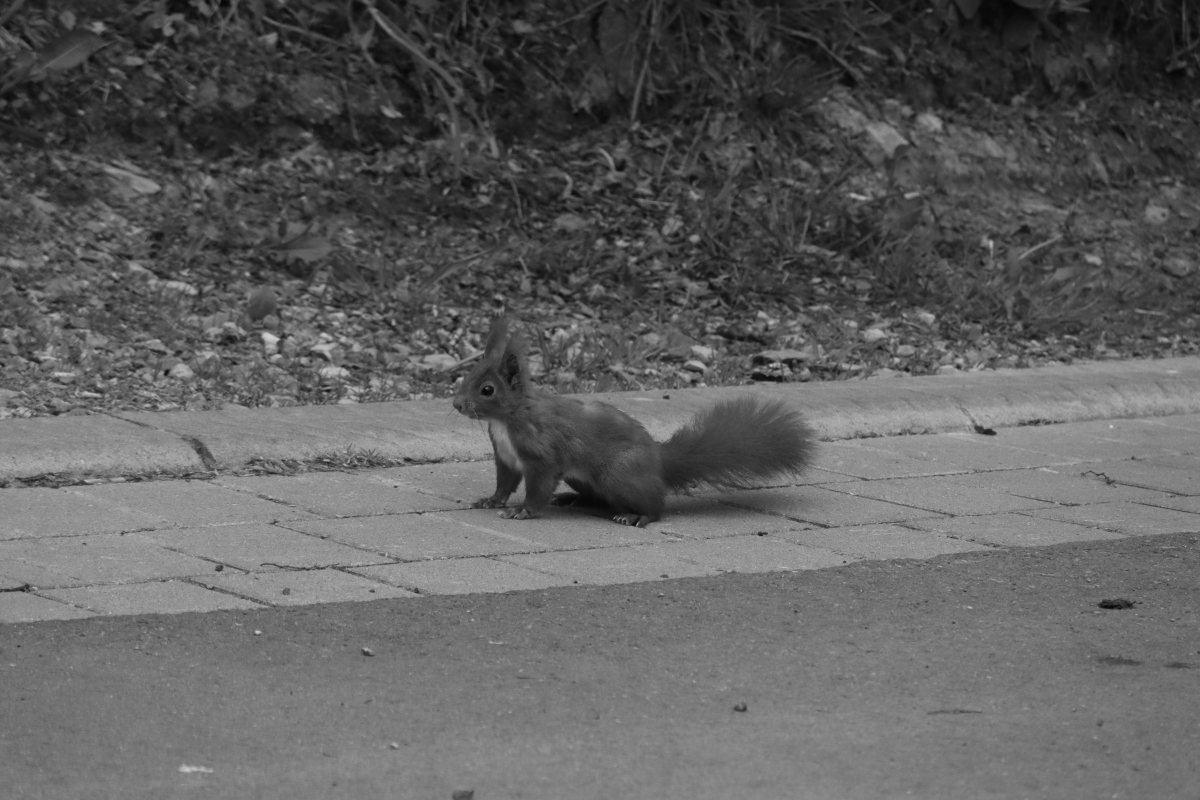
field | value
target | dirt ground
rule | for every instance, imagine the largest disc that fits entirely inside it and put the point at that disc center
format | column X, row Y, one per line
column 165, row 250
column 977, row 675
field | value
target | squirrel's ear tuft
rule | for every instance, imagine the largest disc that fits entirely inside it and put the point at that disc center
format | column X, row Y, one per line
column 497, row 336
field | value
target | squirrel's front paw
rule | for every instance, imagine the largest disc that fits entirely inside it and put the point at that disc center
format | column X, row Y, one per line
column 520, row 512
column 488, row 502
column 634, row 520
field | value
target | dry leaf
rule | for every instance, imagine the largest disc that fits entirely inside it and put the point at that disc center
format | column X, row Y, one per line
column 132, row 182
column 306, row 247
column 262, row 303
column 67, row 51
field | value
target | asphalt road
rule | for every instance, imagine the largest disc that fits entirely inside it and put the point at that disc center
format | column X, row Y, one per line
column 978, row 675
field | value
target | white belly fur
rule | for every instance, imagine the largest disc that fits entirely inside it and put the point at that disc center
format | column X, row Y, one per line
column 502, row 442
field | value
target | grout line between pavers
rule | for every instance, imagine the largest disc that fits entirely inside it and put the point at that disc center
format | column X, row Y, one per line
column 38, row 593
column 195, row 581
column 79, row 535
column 1030, row 512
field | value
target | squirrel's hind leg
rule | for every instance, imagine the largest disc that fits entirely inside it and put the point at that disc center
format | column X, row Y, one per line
column 635, row 502
column 583, row 495
column 629, row 504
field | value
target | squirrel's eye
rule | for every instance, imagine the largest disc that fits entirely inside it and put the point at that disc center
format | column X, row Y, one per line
column 487, row 390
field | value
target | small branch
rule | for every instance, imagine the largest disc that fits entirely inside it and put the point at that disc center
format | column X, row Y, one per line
column 414, row 50
column 1039, row 247
column 13, row 9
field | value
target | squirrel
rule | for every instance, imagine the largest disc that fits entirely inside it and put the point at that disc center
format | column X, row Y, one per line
column 605, row 455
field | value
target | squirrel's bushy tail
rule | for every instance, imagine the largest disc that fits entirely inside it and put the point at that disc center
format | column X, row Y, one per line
column 737, row 444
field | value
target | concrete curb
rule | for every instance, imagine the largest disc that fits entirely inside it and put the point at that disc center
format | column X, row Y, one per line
column 148, row 442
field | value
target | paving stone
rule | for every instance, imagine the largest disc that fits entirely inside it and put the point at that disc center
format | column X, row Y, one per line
column 1067, row 444
column 1187, row 422
column 461, row 482
column 100, row 558
column 559, row 529
column 612, row 565
column 415, row 537
column 27, row 607
column 881, row 541
column 823, row 506
column 424, row 431
column 964, row 450
column 306, row 587
column 1100, row 390
column 1133, row 519
column 96, row 444
column 188, row 504
column 1139, row 432
column 1163, row 475
column 857, row 459
column 1063, row 484
column 339, row 494
column 818, row 476
column 462, row 576
column 32, row 513
column 160, row 597
column 1017, row 530
column 10, row 584
column 1190, row 504
column 255, row 546
column 1187, row 461
column 754, row 553
column 702, row 518
column 845, row 410
column 1115, row 437
column 941, row 495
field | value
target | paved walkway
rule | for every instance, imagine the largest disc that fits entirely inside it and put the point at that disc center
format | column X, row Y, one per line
column 1122, row 459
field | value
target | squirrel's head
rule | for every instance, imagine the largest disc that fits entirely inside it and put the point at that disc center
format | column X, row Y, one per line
column 499, row 380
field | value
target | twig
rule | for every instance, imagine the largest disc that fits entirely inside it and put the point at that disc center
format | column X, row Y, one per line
column 350, row 114
column 445, row 82
column 580, row 15
column 414, row 49
column 517, row 198
column 808, row 37
column 13, row 9
column 453, row 266
column 1039, row 247
column 301, row 31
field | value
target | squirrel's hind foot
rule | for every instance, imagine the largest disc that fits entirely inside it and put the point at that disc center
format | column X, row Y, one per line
column 634, row 520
